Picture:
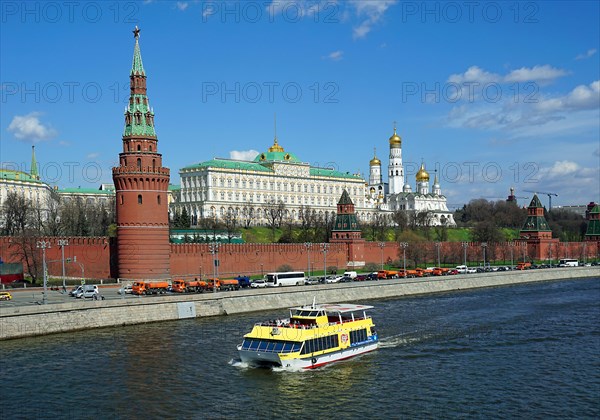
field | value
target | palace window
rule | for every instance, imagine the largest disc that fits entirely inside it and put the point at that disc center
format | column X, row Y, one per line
column 139, row 198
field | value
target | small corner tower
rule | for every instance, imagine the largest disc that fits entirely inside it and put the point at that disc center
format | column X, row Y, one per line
column 536, row 231
column 141, row 184
column 347, row 230
column 34, row 166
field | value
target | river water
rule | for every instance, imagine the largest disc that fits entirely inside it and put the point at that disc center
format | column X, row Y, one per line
column 528, row 351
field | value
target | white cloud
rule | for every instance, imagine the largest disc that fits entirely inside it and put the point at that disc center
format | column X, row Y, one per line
column 562, row 168
column 243, row 154
column 474, row 74
column 540, row 74
column 335, row 56
column 29, row 128
column 370, row 12
column 587, row 54
column 93, row 155
column 64, row 143
column 581, row 97
column 182, row 5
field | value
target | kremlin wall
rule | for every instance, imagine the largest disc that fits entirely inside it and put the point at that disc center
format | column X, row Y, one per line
column 98, row 256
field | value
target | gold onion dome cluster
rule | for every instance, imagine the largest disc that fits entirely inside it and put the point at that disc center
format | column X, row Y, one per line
column 422, row 175
column 395, row 140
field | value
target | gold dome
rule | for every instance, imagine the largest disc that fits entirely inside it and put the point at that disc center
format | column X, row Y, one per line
column 395, row 140
column 375, row 161
column 422, row 175
column 276, row 147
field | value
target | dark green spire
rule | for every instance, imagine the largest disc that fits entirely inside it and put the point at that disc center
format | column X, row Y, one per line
column 137, row 67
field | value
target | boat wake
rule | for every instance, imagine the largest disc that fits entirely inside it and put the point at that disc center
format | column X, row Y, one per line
column 400, row 340
column 239, row 364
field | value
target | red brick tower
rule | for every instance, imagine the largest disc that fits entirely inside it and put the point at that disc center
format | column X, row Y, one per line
column 346, row 230
column 141, row 184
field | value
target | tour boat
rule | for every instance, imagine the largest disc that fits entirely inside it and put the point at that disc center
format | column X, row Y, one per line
column 314, row 335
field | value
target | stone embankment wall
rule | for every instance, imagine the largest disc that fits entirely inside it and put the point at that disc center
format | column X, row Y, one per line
column 23, row 321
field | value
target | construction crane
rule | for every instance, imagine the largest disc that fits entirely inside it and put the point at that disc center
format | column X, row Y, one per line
column 546, row 193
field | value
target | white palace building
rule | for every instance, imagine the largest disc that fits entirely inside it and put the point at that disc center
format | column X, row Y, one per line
column 247, row 189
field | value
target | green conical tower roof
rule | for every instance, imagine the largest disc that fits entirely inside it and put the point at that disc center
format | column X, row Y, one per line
column 345, row 198
column 139, row 116
column 345, row 219
column 536, row 222
column 34, row 168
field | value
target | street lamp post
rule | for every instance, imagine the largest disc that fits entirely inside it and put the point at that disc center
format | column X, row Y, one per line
column 325, row 248
column 438, row 245
column 43, row 245
column 550, row 252
column 484, row 246
column 404, row 245
column 381, row 246
column 214, row 250
column 465, row 245
column 512, row 257
column 307, row 246
column 62, row 243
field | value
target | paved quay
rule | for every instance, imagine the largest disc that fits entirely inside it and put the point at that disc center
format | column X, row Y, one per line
column 20, row 318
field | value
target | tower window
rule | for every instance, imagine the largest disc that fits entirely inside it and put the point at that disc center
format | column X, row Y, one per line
column 158, row 199
column 139, row 147
column 121, row 199
column 139, row 163
column 139, row 198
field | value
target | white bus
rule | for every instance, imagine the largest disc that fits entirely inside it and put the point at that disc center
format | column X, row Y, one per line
column 568, row 262
column 291, row 278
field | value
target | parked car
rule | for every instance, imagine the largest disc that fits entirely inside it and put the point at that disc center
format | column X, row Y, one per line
column 88, row 292
column 311, row 280
column 258, row 283
column 5, row 296
column 333, row 279
column 361, row 277
column 346, row 279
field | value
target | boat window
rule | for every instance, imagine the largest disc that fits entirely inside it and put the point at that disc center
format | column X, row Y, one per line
column 358, row 336
column 271, row 346
column 320, row 344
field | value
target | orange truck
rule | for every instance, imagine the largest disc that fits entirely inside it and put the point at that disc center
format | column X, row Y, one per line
column 230, row 284
column 438, row 271
column 387, row 274
column 149, row 287
column 523, row 266
column 190, row 286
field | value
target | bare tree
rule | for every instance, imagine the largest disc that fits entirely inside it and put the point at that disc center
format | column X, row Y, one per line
column 17, row 213
column 231, row 222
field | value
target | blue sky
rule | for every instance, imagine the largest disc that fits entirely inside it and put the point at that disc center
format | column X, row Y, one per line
column 492, row 94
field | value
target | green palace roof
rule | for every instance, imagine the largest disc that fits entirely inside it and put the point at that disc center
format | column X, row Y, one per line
column 7, row 174
column 173, row 187
column 85, row 191
column 332, row 173
column 229, row 164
